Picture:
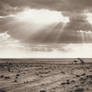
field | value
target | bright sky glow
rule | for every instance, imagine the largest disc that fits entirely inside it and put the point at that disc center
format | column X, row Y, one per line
column 89, row 17
column 72, row 51
column 41, row 16
column 11, row 48
column 86, row 32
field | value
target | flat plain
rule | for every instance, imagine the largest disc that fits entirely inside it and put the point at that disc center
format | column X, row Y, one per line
column 45, row 75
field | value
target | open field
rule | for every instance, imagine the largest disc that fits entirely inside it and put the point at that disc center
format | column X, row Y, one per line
column 31, row 75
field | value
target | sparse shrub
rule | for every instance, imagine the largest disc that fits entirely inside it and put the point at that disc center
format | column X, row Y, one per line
column 15, row 80
column 67, row 82
column 16, row 77
column 2, row 76
column 42, row 90
column 83, row 74
column 63, row 83
column 6, row 77
column 76, row 85
column 77, row 75
column 17, row 74
column 89, row 83
column 73, row 81
column 79, row 90
column 62, row 72
column 70, row 91
column 87, row 89
column 2, row 90
column 82, row 80
column 89, row 76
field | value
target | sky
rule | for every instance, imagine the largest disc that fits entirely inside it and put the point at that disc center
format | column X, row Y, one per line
column 45, row 28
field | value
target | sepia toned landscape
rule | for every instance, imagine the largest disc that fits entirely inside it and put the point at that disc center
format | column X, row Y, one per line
column 45, row 45
column 46, row 75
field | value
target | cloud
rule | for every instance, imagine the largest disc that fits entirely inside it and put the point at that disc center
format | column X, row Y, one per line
column 29, row 21
column 48, row 4
column 41, row 16
column 61, row 5
column 78, row 23
column 32, row 22
column 35, row 26
column 88, row 17
column 8, row 42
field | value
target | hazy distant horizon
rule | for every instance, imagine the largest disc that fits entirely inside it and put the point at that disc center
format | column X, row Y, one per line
column 44, row 60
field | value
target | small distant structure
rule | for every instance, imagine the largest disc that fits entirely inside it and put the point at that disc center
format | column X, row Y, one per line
column 78, row 61
column 81, row 61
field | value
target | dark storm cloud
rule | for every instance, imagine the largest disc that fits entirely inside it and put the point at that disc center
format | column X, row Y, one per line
column 32, row 3
column 78, row 23
column 68, row 5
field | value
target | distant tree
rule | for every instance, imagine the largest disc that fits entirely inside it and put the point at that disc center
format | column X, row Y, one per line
column 79, row 90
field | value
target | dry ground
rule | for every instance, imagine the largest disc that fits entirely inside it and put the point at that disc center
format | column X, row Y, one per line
column 45, row 77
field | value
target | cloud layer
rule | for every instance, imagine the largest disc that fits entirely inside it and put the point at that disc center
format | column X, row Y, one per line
column 26, row 23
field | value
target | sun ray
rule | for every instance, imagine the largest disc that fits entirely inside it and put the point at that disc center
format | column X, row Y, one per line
column 52, row 30
column 82, row 36
column 60, row 31
column 89, row 36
